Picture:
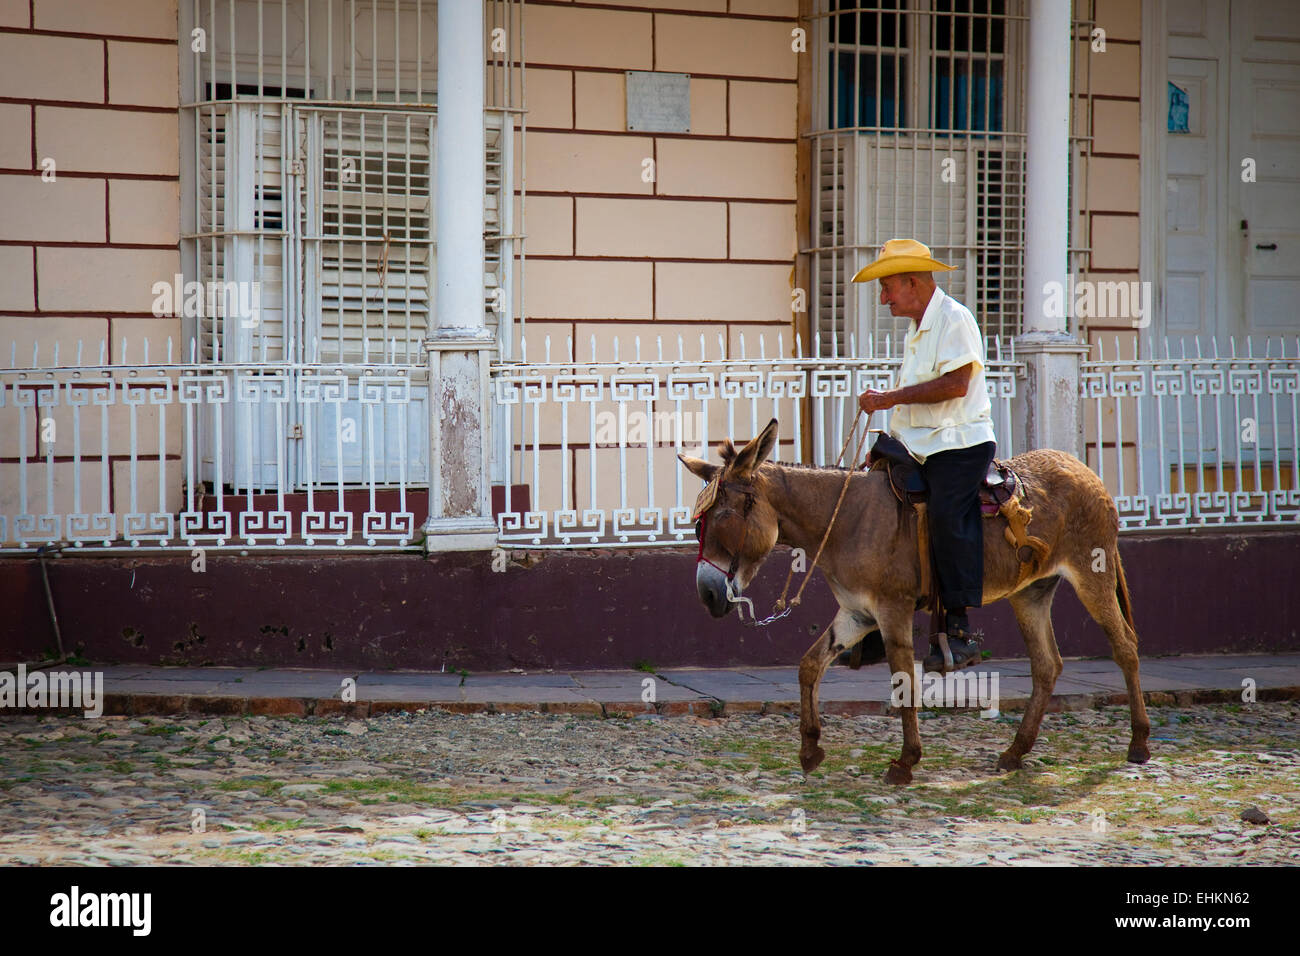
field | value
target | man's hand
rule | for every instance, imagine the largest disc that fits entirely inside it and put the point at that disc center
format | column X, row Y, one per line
column 944, row 388
column 873, row 401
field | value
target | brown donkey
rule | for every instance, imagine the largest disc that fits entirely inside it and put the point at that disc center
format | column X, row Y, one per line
column 871, row 561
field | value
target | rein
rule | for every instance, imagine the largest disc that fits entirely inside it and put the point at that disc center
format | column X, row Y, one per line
column 781, row 608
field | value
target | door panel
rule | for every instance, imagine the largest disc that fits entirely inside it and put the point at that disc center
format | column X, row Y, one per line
column 1265, row 128
column 1192, row 199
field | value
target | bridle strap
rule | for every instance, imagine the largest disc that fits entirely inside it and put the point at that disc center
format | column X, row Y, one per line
column 781, row 607
column 748, row 492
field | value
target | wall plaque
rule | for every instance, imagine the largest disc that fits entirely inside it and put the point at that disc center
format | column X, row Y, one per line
column 658, row 102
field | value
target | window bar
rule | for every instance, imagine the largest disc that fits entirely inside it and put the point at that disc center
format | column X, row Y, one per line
column 260, row 53
column 212, row 173
column 518, row 307
column 352, row 48
column 899, row 119
column 374, row 51
column 306, row 46
column 385, row 249
column 419, row 52
column 874, row 143
column 407, row 256
column 365, row 237
column 234, row 76
column 340, row 265
column 397, row 51
column 284, row 46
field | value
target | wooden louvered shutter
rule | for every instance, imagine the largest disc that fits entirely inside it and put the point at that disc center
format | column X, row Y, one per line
column 241, row 171
column 369, row 222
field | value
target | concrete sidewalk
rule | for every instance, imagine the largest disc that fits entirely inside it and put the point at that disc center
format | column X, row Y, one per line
column 1085, row 683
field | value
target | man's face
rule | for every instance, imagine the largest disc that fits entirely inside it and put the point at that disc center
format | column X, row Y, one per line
column 902, row 294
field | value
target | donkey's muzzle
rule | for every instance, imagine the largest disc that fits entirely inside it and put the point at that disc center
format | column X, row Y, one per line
column 711, row 585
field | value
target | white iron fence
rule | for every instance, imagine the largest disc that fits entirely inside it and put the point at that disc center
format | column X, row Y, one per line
column 182, row 455
column 1194, row 439
column 212, row 455
column 591, row 446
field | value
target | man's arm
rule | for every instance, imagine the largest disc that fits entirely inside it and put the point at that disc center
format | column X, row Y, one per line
column 942, row 389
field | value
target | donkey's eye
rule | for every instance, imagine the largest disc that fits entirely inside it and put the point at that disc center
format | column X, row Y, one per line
column 699, row 527
column 728, row 530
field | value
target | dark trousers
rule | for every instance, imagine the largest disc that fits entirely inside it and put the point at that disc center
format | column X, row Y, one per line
column 956, row 527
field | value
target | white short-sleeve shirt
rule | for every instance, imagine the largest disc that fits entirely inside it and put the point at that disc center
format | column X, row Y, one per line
column 946, row 339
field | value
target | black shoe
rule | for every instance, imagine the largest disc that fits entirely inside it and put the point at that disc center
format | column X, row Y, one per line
column 869, row 650
column 964, row 649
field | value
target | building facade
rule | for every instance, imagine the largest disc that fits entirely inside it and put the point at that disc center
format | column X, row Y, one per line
column 446, row 275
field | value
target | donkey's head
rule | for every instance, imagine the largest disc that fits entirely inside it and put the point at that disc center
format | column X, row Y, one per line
column 734, row 522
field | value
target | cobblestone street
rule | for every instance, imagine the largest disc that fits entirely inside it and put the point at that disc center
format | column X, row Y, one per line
column 436, row 787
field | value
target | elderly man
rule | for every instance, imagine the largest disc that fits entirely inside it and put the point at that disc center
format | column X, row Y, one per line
column 944, row 419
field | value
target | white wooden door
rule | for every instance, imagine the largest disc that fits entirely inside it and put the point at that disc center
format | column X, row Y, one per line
column 1195, row 159
column 1193, row 197
column 1264, row 145
column 1232, row 186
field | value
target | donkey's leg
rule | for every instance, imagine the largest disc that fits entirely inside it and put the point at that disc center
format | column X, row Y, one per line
column 896, row 629
column 1033, row 607
column 1099, row 592
column 846, row 630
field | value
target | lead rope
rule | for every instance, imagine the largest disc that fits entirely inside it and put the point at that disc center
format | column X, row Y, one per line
column 780, row 605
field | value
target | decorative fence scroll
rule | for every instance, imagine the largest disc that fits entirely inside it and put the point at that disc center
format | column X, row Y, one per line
column 590, row 447
column 227, row 456
column 1194, row 440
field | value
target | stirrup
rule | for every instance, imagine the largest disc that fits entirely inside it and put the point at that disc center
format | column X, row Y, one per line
column 952, row 652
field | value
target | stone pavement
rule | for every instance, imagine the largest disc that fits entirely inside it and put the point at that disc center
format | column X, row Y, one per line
column 234, row 766
column 565, row 789
column 1084, row 684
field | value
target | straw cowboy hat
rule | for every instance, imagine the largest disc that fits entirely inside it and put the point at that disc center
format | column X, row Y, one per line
column 901, row 255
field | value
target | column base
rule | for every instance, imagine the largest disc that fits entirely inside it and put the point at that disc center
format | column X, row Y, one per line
column 459, row 534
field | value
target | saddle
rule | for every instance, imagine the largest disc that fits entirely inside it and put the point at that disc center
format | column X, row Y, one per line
column 1001, row 493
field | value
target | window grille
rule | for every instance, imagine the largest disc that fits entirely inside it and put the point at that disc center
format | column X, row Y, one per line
column 310, row 144
column 917, row 131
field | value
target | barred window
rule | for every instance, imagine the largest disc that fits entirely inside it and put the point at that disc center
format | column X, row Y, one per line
column 918, row 131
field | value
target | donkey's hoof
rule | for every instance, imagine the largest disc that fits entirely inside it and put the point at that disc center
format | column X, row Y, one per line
column 1009, row 761
column 1138, row 753
column 810, row 760
column 898, row 774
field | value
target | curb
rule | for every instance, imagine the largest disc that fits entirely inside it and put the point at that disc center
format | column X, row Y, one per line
column 176, row 705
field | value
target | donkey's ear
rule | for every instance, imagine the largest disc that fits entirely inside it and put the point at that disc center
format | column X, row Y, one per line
column 756, row 452
column 699, row 467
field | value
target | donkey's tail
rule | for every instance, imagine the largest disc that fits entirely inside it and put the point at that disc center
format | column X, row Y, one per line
column 1121, row 593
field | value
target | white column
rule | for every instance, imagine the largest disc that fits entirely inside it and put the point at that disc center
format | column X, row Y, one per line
column 459, row 350
column 1048, row 404
column 461, row 158
column 1047, row 129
